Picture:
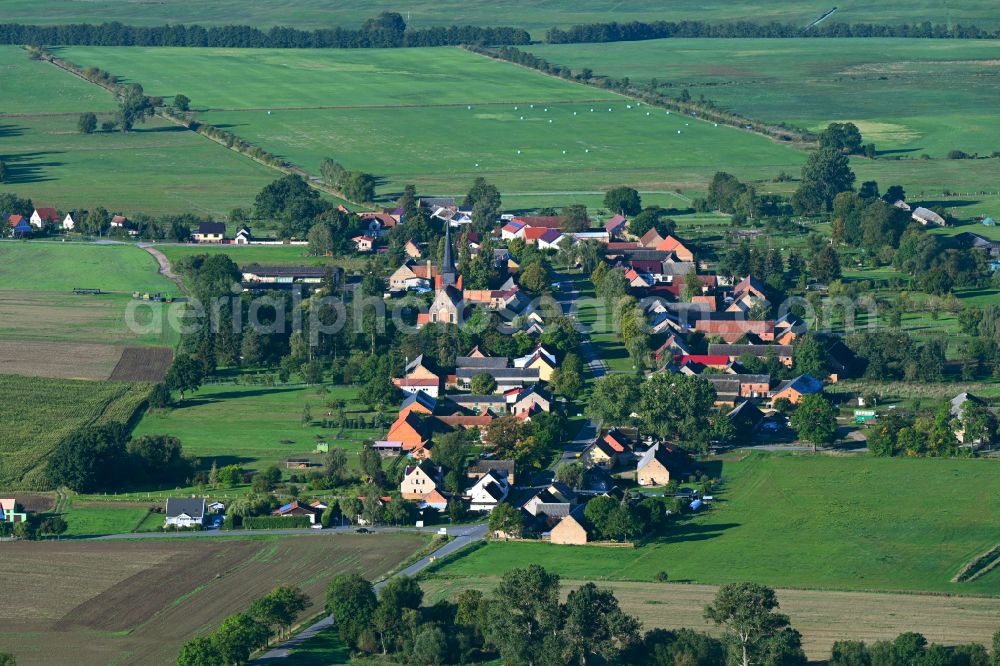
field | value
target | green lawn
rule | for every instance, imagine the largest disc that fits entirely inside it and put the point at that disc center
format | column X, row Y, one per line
column 909, row 95
column 536, row 16
column 97, row 520
column 496, row 109
column 266, row 255
column 120, row 268
column 806, row 521
column 247, row 425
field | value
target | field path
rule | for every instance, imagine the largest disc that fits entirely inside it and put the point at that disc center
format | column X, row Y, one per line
column 165, row 268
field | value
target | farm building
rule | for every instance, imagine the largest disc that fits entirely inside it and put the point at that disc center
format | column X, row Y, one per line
column 794, row 389
column 572, row 529
column 652, row 468
column 184, row 512
column 926, row 216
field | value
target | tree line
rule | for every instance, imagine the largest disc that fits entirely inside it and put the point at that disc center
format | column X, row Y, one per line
column 638, row 30
column 242, row 634
column 388, row 30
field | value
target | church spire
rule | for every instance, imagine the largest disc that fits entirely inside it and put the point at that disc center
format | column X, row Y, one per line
column 447, row 264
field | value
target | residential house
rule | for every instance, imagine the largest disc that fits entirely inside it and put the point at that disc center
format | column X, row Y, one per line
column 675, row 246
column 572, row 530
column 419, row 480
column 616, row 225
column 376, row 224
column 19, row 226
column 216, row 507
column 601, row 453
column 363, row 243
column 959, row 404
column 788, row 328
column 717, row 362
column 68, row 223
column 488, row 491
column 419, row 376
column 550, row 239
column 9, row 511
column 794, row 389
column 745, row 417
column 434, row 500
column 294, row 509
column 638, row 280
column 41, row 217
column 674, row 345
column 209, row 232
column 184, row 512
column 511, row 230
column 653, row 468
column 412, row 275
column 531, row 400
column 482, row 467
column 549, row 500
column 541, row 359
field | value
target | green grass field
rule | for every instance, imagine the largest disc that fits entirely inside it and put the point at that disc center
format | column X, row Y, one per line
column 248, row 425
column 402, row 137
column 40, row 412
column 159, row 168
column 806, row 521
column 536, row 16
column 120, row 268
column 908, row 95
column 265, row 255
column 37, row 87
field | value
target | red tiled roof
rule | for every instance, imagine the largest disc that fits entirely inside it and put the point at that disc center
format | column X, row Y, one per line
column 547, row 221
column 49, row 214
column 704, row 359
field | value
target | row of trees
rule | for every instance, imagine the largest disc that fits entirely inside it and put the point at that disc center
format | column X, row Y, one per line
column 933, row 433
column 388, row 30
column 636, row 30
column 524, row 621
column 242, row 634
column 353, row 185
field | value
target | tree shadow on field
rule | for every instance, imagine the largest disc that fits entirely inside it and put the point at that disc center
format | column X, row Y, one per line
column 232, row 395
column 222, row 461
column 159, row 130
column 949, row 203
column 10, row 130
column 898, row 151
column 230, row 125
column 691, row 531
column 30, row 167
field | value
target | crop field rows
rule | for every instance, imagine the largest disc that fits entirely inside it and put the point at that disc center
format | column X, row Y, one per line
column 137, row 602
column 46, row 410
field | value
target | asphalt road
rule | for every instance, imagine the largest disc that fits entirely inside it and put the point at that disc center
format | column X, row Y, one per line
column 463, row 537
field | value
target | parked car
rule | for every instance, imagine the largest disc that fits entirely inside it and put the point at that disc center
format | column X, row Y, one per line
column 364, row 530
